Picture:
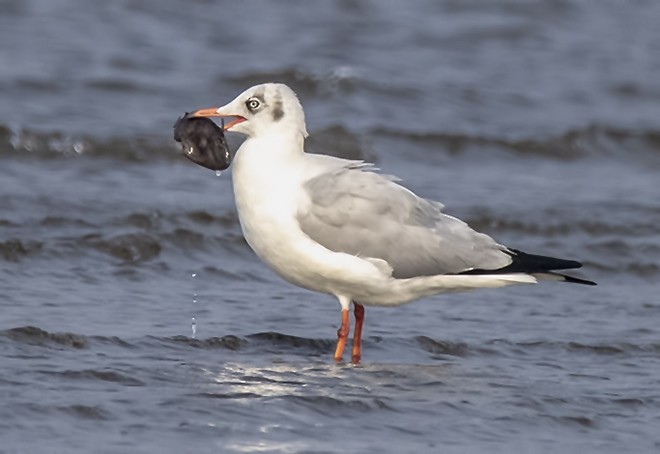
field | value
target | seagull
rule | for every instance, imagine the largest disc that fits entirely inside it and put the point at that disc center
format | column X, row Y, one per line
column 340, row 227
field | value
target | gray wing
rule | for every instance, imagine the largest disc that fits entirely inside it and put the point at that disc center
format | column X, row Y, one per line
column 364, row 213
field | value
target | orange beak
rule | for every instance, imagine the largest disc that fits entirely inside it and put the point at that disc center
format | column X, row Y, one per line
column 213, row 112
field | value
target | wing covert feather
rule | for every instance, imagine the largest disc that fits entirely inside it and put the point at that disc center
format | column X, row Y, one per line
column 360, row 212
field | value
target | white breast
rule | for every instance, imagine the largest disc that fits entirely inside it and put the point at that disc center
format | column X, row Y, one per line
column 268, row 191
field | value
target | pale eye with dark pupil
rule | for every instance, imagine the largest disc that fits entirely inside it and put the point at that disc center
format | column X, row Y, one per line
column 253, row 104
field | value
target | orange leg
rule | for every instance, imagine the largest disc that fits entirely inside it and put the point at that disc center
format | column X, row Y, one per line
column 357, row 335
column 342, row 334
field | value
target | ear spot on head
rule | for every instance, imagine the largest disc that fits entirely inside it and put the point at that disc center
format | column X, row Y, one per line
column 278, row 110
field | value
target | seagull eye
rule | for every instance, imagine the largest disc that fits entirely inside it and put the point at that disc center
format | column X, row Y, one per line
column 253, row 104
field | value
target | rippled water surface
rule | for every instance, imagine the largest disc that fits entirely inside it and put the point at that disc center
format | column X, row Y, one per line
column 536, row 122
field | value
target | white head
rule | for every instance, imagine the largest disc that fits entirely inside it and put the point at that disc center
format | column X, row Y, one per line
column 261, row 109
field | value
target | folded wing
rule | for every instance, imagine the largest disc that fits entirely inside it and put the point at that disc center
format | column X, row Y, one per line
column 355, row 210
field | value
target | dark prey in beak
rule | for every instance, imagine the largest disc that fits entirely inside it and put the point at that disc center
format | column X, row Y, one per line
column 203, row 142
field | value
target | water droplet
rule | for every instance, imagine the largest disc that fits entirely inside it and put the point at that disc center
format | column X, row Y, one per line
column 194, row 300
column 218, row 173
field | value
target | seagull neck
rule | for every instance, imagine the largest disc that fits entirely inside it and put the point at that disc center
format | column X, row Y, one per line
column 280, row 142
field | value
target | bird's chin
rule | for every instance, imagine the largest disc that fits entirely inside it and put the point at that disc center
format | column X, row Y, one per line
column 243, row 129
column 235, row 125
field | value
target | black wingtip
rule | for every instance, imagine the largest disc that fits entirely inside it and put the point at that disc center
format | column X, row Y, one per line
column 522, row 262
column 576, row 280
column 532, row 263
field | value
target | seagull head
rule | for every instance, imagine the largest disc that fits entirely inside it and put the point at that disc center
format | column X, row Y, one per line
column 260, row 110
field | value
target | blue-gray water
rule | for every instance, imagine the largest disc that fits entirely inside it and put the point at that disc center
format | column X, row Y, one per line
column 537, row 122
